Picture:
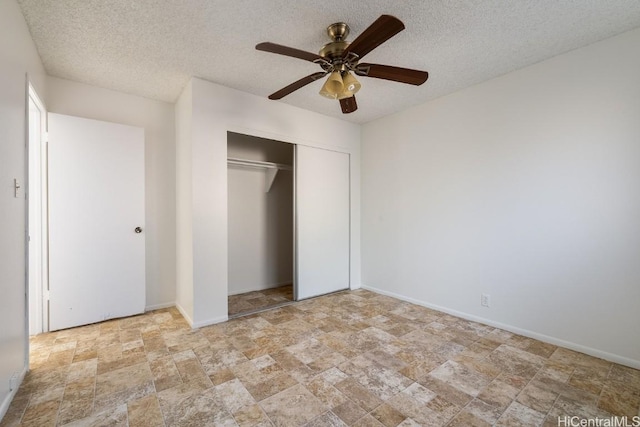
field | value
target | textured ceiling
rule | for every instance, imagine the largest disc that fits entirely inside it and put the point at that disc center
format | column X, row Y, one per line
column 152, row 47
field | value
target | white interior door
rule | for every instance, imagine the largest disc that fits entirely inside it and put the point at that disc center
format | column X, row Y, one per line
column 96, row 201
column 322, row 221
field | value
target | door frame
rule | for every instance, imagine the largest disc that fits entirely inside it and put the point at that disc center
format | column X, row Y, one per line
column 294, row 147
column 36, row 234
column 297, row 142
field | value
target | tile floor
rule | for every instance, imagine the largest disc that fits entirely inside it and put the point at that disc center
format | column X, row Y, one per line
column 259, row 300
column 348, row 359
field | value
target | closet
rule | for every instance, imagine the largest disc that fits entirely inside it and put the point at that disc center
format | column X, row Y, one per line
column 260, row 223
column 288, row 222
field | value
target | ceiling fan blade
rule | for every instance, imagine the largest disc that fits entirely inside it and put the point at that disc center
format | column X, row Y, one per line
column 348, row 105
column 396, row 74
column 288, row 51
column 297, row 85
column 379, row 32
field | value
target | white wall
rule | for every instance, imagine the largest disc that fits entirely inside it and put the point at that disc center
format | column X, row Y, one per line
column 18, row 57
column 184, row 200
column 260, row 223
column 525, row 187
column 215, row 111
column 253, row 148
column 157, row 119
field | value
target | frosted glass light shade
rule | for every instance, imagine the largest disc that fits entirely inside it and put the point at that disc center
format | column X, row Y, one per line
column 334, row 82
column 333, row 86
column 351, row 84
column 325, row 92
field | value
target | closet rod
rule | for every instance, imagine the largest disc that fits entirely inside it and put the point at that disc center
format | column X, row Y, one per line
column 257, row 164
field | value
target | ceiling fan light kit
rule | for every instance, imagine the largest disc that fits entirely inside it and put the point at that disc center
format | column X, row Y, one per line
column 340, row 86
column 333, row 86
column 351, row 83
column 340, row 59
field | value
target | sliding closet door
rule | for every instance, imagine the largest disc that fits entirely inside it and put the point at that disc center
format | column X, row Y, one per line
column 322, row 221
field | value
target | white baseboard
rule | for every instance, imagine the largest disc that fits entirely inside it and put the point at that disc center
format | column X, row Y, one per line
column 4, row 407
column 208, row 322
column 202, row 323
column 525, row 332
column 185, row 315
column 159, row 306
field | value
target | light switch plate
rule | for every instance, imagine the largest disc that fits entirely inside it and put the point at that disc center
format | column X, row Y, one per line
column 16, row 188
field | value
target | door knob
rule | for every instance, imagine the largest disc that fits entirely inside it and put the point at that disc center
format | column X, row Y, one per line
column 138, row 230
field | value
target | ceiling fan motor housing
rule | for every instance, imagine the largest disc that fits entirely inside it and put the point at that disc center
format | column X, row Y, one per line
column 338, row 31
column 333, row 50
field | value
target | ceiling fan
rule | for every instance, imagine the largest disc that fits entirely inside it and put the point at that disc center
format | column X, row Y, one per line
column 340, row 58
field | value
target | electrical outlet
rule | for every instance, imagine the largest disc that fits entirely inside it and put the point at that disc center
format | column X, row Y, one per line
column 485, row 300
column 13, row 382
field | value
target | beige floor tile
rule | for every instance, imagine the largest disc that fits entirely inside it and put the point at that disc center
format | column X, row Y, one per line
column 45, row 421
column 415, row 405
column 627, row 376
column 326, row 392
column 467, row 419
column 267, row 388
column 121, row 380
column 221, row 376
column 165, row 373
column 251, row 416
column 460, row 377
column 75, row 409
column 387, row 415
column 367, row 421
column 487, row 412
column 360, row 395
column 116, row 417
column 198, row 409
column 447, row 391
column 328, row 419
column 234, row 395
column 44, row 409
column 382, row 382
column 292, row 407
column 145, row 412
column 349, row 412
column 520, row 415
column 351, row 358
column 175, row 396
column 619, row 399
column 537, row 398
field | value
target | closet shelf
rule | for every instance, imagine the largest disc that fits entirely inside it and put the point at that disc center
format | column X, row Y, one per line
column 258, row 164
column 270, row 168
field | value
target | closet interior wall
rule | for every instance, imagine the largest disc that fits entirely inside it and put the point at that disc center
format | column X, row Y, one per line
column 260, row 233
